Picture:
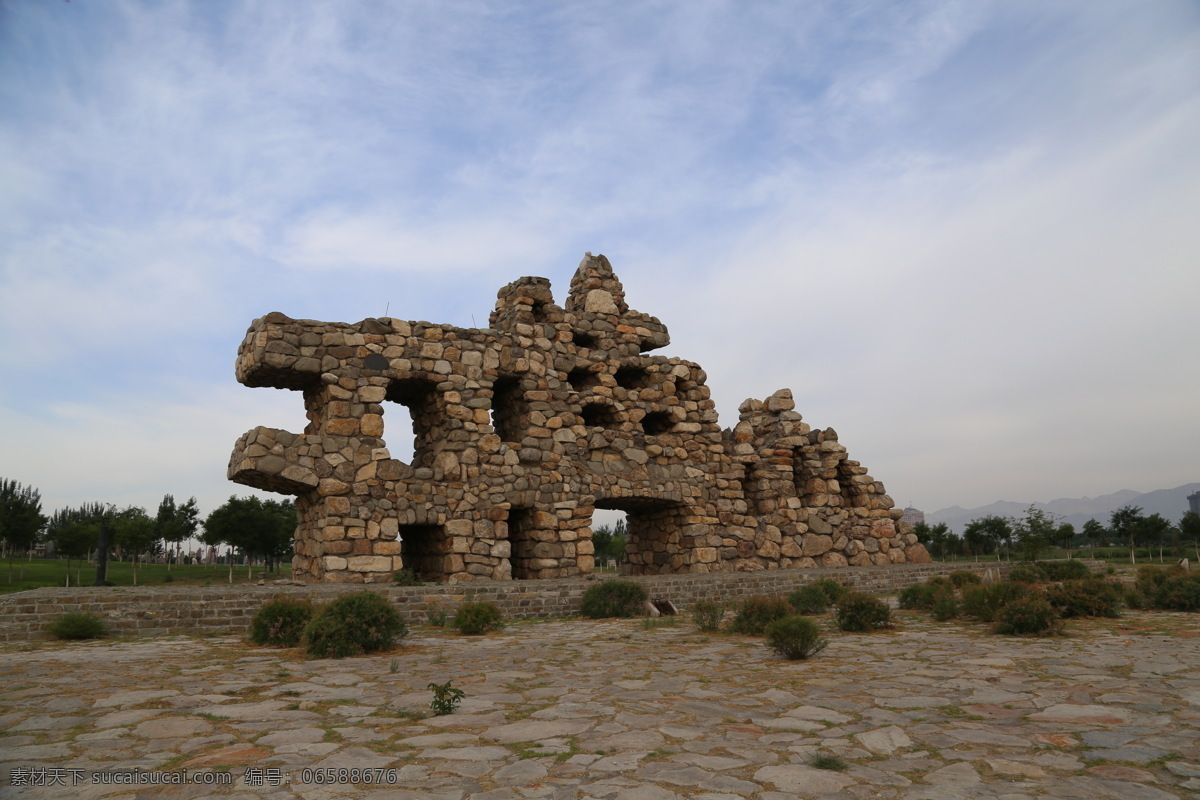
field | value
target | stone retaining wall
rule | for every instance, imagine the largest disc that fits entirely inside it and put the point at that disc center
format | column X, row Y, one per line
column 207, row 610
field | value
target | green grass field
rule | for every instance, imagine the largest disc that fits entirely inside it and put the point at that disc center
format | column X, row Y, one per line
column 53, row 572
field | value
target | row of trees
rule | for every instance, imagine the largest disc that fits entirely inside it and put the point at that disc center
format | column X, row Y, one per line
column 259, row 529
column 1038, row 530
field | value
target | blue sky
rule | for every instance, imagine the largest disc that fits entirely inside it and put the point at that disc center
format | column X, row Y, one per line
column 964, row 233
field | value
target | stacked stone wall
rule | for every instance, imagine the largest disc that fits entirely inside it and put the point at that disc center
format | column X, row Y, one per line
column 162, row 611
column 523, row 429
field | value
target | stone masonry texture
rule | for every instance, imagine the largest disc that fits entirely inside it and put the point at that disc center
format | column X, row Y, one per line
column 524, row 429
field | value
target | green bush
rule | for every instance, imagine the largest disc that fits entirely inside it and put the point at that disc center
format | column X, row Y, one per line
column 795, row 637
column 810, row 599
column 982, row 602
column 755, row 613
column 405, row 577
column 861, row 613
column 964, row 577
column 1026, row 573
column 923, row 596
column 1030, row 614
column 475, row 619
column 1090, row 597
column 945, row 606
column 1180, row 593
column 1150, row 579
column 833, row 590
column 1069, row 570
column 76, row 625
column 708, row 615
column 363, row 622
column 614, row 598
column 280, row 623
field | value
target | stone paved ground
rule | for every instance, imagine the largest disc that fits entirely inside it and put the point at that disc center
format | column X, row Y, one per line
column 581, row 709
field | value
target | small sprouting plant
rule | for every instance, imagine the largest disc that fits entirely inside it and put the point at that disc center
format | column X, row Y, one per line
column 77, row 625
column 708, row 615
column 827, row 761
column 446, row 698
column 394, row 666
column 436, row 617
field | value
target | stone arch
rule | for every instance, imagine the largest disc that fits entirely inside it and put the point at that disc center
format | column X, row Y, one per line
column 653, row 526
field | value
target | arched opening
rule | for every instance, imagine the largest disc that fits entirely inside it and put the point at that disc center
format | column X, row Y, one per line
column 508, row 408
column 419, row 398
column 599, row 415
column 653, row 543
column 424, row 550
column 657, row 422
column 633, row 376
column 610, row 533
column 583, row 379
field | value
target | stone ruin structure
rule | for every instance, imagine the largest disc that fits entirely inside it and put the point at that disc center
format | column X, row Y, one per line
column 525, row 428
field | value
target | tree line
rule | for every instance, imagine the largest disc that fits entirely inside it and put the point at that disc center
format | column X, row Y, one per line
column 1037, row 530
column 260, row 530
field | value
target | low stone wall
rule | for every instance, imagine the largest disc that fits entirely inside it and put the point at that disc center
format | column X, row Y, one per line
column 207, row 610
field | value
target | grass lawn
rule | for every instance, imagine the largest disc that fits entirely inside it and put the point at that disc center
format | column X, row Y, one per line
column 53, row 572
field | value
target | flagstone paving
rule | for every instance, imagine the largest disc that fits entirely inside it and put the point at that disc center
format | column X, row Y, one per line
column 613, row 710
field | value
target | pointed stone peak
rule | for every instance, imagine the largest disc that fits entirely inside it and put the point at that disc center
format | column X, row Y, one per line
column 596, row 289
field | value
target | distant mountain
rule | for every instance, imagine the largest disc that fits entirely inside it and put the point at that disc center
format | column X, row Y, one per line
column 1171, row 503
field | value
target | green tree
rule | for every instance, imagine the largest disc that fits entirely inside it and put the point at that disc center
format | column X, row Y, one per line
column 20, row 519
column 1189, row 529
column 1125, row 523
column 609, row 542
column 1034, row 532
column 1095, row 532
column 135, row 534
column 1066, row 534
column 262, row 529
column 174, row 524
column 75, row 531
column 1154, row 529
column 988, row 534
column 936, row 538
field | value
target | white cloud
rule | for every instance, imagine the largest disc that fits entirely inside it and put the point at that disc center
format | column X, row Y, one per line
column 959, row 231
